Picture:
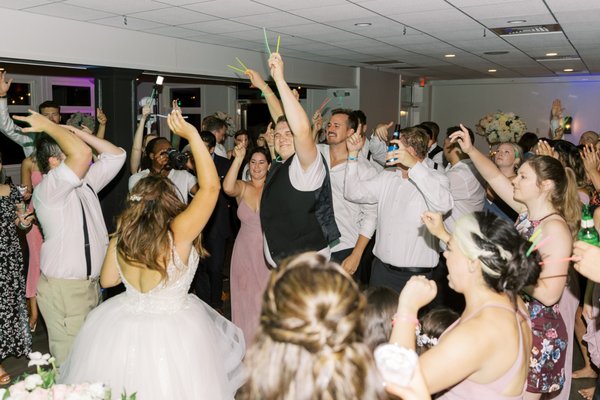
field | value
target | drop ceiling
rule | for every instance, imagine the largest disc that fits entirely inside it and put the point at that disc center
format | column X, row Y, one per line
column 411, row 37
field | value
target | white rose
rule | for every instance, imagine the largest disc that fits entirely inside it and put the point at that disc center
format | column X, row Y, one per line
column 33, row 381
column 36, row 358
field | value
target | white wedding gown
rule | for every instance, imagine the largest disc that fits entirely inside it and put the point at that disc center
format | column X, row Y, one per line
column 163, row 344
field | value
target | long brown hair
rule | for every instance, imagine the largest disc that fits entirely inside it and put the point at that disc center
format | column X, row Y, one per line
column 143, row 228
column 564, row 197
column 309, row 343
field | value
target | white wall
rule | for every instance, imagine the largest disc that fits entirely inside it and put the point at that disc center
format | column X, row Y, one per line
column 379, row 96
column 97, row 45
column 530, row 98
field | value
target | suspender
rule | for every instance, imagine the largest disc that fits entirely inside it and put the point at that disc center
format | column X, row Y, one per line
column 86, row 238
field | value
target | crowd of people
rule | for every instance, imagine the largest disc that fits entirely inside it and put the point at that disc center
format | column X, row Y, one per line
column 342, row 245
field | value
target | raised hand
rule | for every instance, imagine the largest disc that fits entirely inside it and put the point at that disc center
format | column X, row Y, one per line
column 355, row 142
column 276, row 66
column 544, row 149
column 400, row 155
column 381, row 131
column 418, row 292
column 239, row 152
column 146, row 110
column 37, row 122
column 463, row 139
column 269, row 135
column 589, row 155
column 4, row 85
column 317, row 120
column 179, row 125
column 101, row 117
column 175, row 105
column 296, row 94
column 435, row 225
column 256, row 80
column 557, row 109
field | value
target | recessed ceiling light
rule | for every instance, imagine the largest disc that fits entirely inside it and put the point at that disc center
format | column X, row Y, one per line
column 449, row 55
column 516, row 21
column 551, row 54
column 361, row 24
column 568, row 70
column 491, row 70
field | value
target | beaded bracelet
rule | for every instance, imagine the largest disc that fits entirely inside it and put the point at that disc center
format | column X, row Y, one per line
column 23, row 226
column 352, row 158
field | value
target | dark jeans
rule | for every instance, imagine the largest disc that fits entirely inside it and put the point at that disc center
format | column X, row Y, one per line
column 341, row 255
column 395, row 278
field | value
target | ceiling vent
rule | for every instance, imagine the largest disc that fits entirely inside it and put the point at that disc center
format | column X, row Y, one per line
column 383, row 62
column 527, row 30
column 558, row 58
column 406, row 68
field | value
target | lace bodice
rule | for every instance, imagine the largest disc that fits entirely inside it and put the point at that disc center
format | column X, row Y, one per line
column 169, row 295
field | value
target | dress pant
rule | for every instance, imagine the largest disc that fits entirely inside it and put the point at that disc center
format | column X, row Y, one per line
column 211, row 270
column 64, row 304
column 393, row 277
column 340, row 256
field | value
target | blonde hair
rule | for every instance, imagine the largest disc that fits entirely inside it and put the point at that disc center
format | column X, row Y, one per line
column 143, row 228
column 309, row 343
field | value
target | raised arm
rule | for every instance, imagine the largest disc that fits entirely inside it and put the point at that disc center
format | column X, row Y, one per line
column 95, row 142
column 102, row 120
column 26, row 168
column 272, row 101
column 231, row 185
column 7, row 125
column 138, row 138
column 188, row 224
column 488, row 170
column 78, row 154
column 298, row 121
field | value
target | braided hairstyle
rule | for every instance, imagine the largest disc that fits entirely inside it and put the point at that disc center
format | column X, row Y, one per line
column 309, row 343
column 501, row 251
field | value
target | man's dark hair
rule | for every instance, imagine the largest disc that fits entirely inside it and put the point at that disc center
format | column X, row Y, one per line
column 152, row 144
column 48, row 104
column 433, row 128
column 361, row 116
column 282, row 118
column 46, row 147
column 453, row 129
column 352, row 120
column 208, row 138
column 212, row 123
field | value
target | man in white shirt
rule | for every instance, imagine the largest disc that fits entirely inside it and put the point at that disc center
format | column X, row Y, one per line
column 157, row 150
column 403, row 246
column 434, row 151
column 356, row 222
column 75, row 235
column 217, row 127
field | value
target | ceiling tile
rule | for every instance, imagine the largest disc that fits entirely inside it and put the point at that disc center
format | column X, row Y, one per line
column 118, row 7
column 172, row 31
column 272, row 20
column 23, row 4
column 387, row 7
column 289, row 5
column 230, row 8
column 513, row 10
column 132, row 23
column 334, row 13
column 218, row 26
column 63, row 10
column 173, row 16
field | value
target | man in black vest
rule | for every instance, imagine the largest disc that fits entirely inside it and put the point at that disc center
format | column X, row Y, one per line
column 214, row 236
column 434, row 152
column 296, row 210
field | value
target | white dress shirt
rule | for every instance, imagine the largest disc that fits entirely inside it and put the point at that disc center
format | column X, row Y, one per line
column 58, row 200
column 402, row 239
column 183, row 180
column 468, row 191
column 352, row 219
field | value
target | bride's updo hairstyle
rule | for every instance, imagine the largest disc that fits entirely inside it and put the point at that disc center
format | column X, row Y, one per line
column 309, row 343
column 143, row 226
column 501, row 251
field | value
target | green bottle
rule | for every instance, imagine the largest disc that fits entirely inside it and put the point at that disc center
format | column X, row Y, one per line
column 588, row 233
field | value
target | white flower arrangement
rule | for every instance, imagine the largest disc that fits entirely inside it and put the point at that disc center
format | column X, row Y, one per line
column 228, row 121
column 42, row 386
column 501, row 127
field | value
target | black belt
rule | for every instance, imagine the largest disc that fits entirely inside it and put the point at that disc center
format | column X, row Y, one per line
column 412, row 270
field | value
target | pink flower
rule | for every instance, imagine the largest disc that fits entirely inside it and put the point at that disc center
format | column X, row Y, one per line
column 59, row 392
column 551, row 333
column 39, row 394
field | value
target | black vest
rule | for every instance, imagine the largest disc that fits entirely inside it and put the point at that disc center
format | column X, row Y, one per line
column 295, row 221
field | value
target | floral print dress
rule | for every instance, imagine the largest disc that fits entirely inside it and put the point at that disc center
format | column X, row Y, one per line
column 547, row 361
column 15, row 337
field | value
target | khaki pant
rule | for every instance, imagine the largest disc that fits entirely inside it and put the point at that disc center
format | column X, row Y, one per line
column 64, row 304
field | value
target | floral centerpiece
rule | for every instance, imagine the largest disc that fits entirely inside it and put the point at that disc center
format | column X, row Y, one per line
column 501, row 127
column 79, row 119
column 228, row 121
column 42, row 386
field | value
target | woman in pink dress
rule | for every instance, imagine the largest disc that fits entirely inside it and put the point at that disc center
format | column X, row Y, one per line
column 249, row 271
column 30, row 178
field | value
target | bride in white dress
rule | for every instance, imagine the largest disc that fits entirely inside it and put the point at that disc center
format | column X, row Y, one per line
column 155, row 339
